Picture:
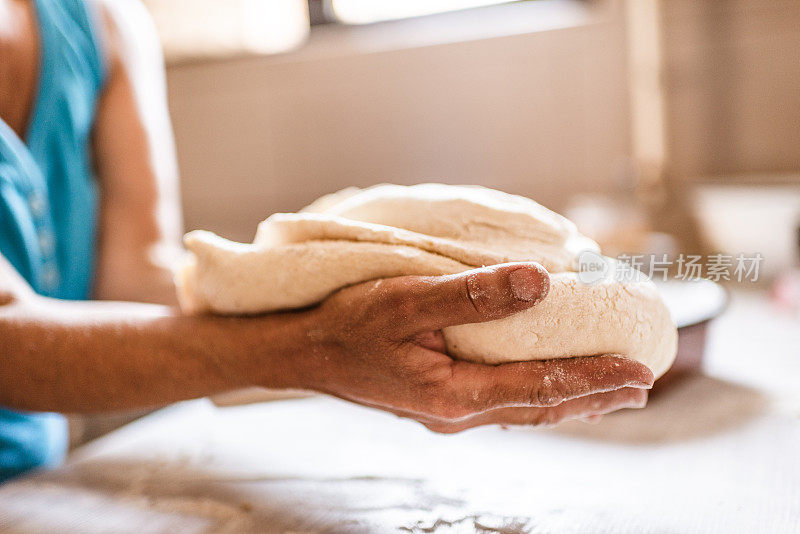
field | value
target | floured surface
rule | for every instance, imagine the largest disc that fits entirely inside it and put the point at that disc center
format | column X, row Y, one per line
column 298, row 259
column 716, row 454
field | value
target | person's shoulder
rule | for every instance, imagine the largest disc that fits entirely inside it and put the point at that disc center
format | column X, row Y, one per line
column 130, row 35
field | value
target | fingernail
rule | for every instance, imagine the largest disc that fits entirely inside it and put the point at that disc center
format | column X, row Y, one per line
column 640, row 401
column 528, row 284
column 640, row 385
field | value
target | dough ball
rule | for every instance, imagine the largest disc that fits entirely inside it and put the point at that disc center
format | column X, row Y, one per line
column 352, row 236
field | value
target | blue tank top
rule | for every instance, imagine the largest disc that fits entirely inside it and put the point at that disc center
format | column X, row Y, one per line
column 48, row 199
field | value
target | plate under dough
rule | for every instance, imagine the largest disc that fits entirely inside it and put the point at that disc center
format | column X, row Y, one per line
column 356, row 235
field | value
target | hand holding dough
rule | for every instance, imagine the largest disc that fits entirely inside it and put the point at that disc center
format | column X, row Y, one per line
column 297, row 260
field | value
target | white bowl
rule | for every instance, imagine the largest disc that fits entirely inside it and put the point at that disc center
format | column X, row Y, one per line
column 749, row 218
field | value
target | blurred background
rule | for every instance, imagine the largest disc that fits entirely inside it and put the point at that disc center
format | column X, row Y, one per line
column 631, row 117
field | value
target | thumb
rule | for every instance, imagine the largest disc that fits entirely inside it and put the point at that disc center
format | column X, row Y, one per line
column 478, row 295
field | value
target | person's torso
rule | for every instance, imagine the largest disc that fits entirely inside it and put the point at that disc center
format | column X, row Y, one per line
column 48, row 196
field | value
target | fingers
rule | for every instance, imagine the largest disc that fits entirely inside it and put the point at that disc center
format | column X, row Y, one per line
column 432, row 339
column 590, row 408
column 432, row 303
column 475, row 388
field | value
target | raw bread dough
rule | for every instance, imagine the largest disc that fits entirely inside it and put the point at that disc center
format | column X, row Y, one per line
column 298, row 259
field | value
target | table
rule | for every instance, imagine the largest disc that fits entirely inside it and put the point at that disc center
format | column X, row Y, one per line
column 715, row 453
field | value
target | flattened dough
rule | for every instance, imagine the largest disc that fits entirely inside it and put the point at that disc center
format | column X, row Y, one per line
column 298, row 259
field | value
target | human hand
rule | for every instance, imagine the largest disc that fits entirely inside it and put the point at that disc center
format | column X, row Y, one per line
column 379, row 344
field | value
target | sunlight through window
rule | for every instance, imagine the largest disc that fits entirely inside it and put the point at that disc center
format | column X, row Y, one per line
column 366, row 11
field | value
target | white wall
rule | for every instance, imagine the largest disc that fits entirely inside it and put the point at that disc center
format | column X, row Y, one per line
column 542, row 114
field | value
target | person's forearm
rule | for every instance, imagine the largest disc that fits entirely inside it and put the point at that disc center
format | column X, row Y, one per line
column 142, row 274
column 93, row 356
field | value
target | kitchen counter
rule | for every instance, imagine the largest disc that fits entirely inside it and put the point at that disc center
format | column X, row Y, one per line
column 713, row 453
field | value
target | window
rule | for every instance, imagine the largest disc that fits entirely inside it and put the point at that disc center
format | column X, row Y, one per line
column 368, row 11
column 196, row 29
